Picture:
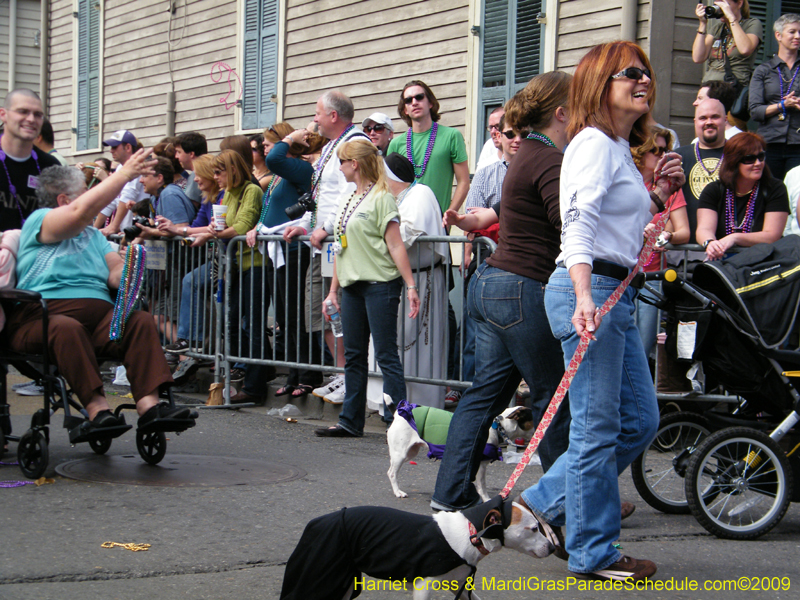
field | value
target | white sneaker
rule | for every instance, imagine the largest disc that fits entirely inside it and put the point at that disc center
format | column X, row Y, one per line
column 336, row 396
column 333, row 385
column 30, row 389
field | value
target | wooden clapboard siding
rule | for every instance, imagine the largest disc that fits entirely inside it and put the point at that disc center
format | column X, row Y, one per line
column 28, row 61
column 136, row 73
column 60, row 73
column 369, row 53
column 686, row 75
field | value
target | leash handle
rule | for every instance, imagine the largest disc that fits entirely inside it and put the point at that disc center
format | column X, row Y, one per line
column 577, row 358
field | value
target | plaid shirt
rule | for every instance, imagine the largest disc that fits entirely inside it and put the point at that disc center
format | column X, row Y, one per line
column 487, row 185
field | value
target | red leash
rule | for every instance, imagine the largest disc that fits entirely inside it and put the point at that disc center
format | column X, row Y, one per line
column 577, row 358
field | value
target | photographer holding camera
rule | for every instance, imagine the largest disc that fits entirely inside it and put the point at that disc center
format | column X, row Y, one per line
column 731, row 37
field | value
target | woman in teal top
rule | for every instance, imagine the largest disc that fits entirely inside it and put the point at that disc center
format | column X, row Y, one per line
column 370, row 266
column 291, row 179
column 72, row 266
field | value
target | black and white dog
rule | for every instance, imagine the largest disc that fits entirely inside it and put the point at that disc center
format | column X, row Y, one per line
column 418, row 553
column 405, row 442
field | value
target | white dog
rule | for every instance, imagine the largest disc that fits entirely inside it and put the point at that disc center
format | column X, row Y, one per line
column 405, row 443
column 418, row 553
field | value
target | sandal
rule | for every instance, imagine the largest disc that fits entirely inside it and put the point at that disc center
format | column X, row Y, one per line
column 301, row 390
column 287, row 389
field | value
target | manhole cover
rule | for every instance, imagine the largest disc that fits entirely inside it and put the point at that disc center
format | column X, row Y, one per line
column 178, row 470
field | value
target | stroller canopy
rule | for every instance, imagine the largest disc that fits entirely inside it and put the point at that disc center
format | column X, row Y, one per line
column 761, row 285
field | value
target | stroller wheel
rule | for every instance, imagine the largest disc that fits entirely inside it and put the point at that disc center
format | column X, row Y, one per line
column 32, row 454
column 658, row 473
column 739, row 483
column 100, row 446
column 152, row 446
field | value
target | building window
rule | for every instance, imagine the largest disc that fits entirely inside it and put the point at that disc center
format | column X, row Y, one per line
column 511, row 53
column 260, row 63
column 87, row 106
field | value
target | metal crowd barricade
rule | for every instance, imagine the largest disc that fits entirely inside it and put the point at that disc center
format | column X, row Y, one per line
column 241, row 349
column 183, row 294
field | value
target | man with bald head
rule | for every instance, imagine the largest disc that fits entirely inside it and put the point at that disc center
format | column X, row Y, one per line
column 701, row 160
column 22, row 115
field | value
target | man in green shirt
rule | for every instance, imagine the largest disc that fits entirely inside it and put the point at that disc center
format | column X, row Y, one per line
column 437, row 152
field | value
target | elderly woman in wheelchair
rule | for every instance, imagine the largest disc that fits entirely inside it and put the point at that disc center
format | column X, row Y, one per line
column 69, row 262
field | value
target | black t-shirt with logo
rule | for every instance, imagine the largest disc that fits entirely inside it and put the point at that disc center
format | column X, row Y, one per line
column 697, row 178
column 24, row 176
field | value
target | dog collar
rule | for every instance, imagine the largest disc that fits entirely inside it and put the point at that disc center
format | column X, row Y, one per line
column 476, row 540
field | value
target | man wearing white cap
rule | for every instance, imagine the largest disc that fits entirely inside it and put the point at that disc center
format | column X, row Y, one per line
column 123, row 144
column 378, row 127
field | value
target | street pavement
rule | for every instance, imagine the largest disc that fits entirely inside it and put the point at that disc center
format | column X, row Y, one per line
column 232, row 542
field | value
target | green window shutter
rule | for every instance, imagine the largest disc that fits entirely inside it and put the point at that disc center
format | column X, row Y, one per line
column 511, row 52
column 528, row 41
column 88, row 105
column 260, row 80
column 495, row 43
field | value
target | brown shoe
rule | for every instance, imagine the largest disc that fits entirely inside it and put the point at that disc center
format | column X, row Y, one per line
column 626, row 509
column 244, row 398
column 625, row 568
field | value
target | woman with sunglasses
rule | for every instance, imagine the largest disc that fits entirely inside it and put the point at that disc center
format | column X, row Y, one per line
column 775, row 98
column 605, row 207
column 676, row 231
column 371, row 265
column 747, row 206
column 291, row 178
column 506, row 294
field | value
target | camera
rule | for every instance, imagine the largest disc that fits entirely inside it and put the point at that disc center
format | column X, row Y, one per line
column 133, row 232
column 714, row 12
column 304, row 204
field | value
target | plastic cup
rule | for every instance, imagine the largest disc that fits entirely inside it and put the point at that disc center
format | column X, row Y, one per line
column 220, row 212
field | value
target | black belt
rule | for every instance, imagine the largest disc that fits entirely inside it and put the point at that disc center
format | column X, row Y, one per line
column 607, row 269
column 428, row 268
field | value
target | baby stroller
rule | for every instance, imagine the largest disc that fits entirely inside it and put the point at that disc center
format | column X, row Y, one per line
column 732, row 468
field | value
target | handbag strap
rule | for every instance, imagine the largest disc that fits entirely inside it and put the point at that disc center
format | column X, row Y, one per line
column 729, row 76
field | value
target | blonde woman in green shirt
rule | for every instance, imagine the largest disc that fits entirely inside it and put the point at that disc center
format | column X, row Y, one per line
column 370, row 266
column 243, row 200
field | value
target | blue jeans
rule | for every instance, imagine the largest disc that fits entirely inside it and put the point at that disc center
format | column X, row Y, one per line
column 614, row 418
column 193, row 302
column 782, row 158
column 512, row 337
column 370, row 307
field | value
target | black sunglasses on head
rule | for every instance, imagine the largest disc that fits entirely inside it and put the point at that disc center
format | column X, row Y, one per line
column 417, row 97
column 375, row 128
column 634, row 73
column 749, row 159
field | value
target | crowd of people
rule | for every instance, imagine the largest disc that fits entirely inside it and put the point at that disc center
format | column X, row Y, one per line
column 581, row 171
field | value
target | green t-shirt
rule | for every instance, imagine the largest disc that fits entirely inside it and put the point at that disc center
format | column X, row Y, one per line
column 448, row 150
column 366, row 257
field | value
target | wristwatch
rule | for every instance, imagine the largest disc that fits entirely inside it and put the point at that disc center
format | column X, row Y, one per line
column 707, row 242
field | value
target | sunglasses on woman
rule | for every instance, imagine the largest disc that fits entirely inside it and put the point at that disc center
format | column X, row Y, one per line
column 634, row 73
column 417, row 97
column 749, row 159
column 659, row 151
column 375, row 128
column 511, row 134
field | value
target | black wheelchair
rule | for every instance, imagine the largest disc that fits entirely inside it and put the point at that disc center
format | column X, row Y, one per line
column 32, row 445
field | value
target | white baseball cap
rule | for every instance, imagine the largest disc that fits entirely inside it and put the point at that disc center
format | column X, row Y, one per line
column 379, row 118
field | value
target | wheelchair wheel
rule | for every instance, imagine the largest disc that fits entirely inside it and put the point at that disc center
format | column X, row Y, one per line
column 32, row 454
column 739, row 483
column 152, row 446
column 100, row 446
column 658, row 473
